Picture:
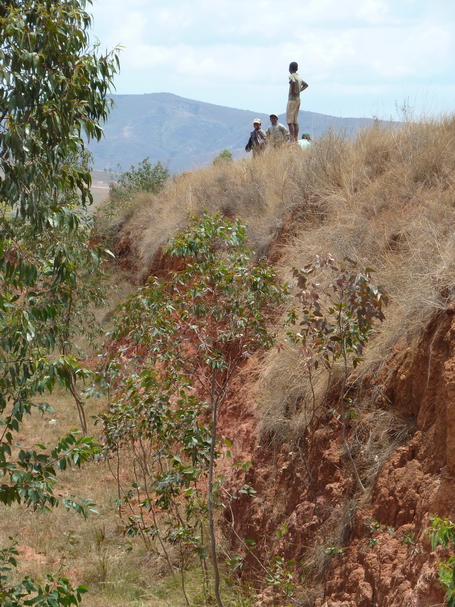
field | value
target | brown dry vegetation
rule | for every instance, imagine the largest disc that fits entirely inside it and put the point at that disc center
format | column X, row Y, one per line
column 386, row 200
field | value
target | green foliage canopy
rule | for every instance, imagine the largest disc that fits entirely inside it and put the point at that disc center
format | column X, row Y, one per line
column 179, row 343
column 224, row 156
column 54, row 88
column 143, row 178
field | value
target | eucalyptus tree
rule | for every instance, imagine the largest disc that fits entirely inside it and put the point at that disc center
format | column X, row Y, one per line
column 54, row 88
column 180, row 342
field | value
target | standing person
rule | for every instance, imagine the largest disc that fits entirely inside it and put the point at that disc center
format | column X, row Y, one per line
column 277, row 133
column 296, row 86
column 258, row 139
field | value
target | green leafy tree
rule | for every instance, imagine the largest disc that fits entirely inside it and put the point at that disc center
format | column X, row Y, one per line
column 180, row 342
column 224, row 156
column 143, row 178
column 54, row 88
column 122, row 193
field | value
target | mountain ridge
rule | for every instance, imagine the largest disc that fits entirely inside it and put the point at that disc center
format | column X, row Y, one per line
column 185, row 133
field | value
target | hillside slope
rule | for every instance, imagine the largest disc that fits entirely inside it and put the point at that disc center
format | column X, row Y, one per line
column 387, row 201
column 184, row 133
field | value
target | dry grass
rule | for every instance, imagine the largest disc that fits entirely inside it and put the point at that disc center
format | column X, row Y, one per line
column 289, row 397
column 388, row 202
column 376, row 435
column 260, row 193
column 88, row 552
column 118, row 571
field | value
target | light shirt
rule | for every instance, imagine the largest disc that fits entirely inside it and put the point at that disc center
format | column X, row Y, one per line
column 277, row 134
column 298, row 85
column 304, row 143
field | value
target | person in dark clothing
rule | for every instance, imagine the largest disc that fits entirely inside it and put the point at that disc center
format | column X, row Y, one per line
column 258, row 139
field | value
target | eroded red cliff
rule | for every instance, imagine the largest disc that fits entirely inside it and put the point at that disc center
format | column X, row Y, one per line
column 357, row 548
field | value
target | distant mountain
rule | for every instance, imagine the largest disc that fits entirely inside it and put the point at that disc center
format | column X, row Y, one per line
column 183, row 133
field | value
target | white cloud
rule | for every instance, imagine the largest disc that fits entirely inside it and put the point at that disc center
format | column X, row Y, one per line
column 373, row 11
column 237, row 53
column 323, row 55
column 131, row 30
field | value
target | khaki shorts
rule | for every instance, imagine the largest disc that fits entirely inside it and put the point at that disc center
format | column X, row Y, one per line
column 292, row 111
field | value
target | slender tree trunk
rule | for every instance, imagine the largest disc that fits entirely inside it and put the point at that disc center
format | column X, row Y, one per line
column 79, row 405
column 343, row 415
column 210, row 496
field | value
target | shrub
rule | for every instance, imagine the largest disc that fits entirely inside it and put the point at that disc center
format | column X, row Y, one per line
column 144, row 178
column 224, row 156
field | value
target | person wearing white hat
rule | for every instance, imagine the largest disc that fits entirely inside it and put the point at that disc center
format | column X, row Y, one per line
column 258, row 139
column 277, row 134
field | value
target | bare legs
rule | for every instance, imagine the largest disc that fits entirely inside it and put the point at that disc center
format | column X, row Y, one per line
column 293, row 132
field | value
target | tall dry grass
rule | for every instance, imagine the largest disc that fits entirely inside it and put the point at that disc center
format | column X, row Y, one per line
column 386, row 199
column 261, row 193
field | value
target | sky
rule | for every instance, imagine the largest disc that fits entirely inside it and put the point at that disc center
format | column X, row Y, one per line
column 361, row 58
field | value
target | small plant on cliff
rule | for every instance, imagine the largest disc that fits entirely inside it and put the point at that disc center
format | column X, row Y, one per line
column 336, row 321
column 442, row 533
column 280, row 575
column 180, row 342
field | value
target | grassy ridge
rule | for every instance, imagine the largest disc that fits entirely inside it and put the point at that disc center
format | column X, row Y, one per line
column 185, row 133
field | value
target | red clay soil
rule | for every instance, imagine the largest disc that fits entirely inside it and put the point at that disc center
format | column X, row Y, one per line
column 361, row 549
